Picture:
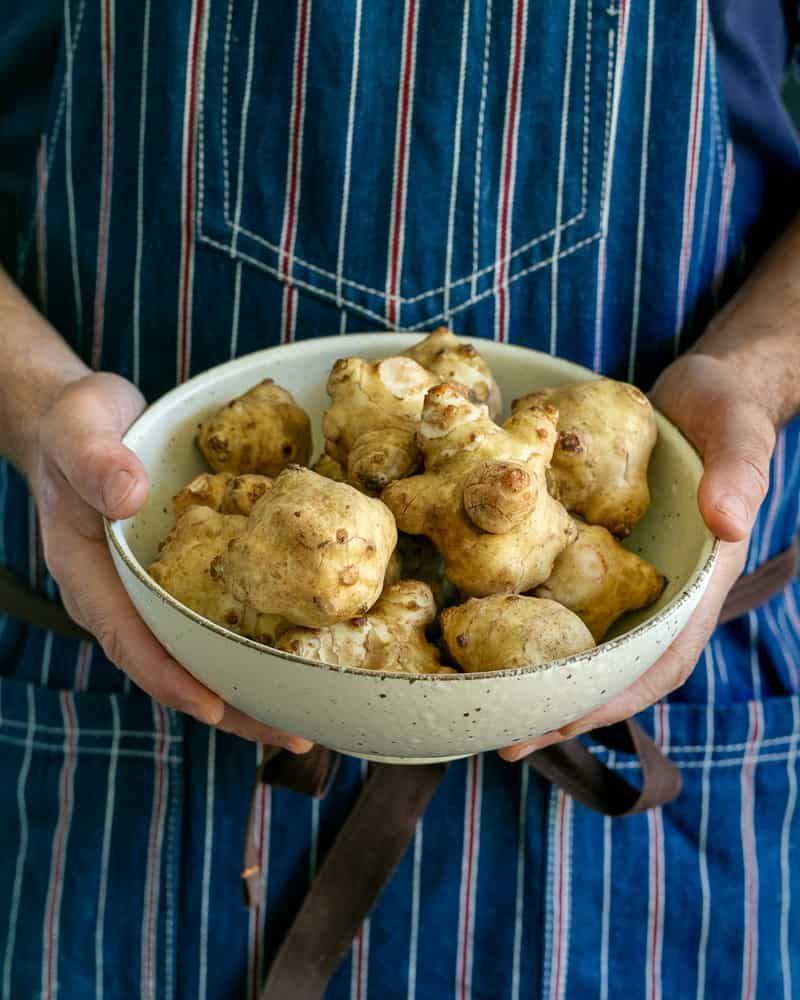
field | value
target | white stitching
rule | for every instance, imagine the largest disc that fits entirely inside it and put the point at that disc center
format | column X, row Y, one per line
column 476, row 195
column 316, row 290
column 62, row 100
column 225, row 151
column 468, row 279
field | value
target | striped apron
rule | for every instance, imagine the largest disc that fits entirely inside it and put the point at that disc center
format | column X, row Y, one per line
column 215, row 176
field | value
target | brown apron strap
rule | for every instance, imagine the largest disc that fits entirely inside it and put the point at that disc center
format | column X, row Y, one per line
column 762, row 584
column 357, row 867
column 17, row 601
column 574, row 768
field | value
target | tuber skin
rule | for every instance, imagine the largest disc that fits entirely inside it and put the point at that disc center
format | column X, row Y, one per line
column 382, row 402
column 390, row 637
column 606, row 435
column 507, row 631
column 188, row 568
column 599, row 580
column 313, row 551
column 483, row 499
column 330, row 468
column 452, row 361
column 262, row 431
column 376, row 406
column 223, row 492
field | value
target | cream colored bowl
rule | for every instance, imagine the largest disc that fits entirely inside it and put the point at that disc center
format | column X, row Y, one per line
column 393, row 717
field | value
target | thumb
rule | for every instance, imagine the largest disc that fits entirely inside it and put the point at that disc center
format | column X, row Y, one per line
column 739, row 439
column 82, row 436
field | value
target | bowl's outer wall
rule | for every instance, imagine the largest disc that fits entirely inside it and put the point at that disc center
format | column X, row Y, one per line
column 394, row 716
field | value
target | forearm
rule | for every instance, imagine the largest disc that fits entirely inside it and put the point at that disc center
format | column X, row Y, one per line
column 759, row 330
column 35, row 364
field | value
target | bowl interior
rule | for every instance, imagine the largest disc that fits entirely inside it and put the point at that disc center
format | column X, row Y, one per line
column 672, row 535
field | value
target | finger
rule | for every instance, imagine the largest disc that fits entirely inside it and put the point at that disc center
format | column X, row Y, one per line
column 82, row 439
column 95, row 596
column 236, row 722
column 736, row 475
column 669, row 672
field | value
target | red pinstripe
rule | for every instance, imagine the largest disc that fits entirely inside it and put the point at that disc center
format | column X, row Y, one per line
column 189, row 151
column 41, row 222
column 151, row 893
column 467, row 887
column 398, row 210
column 690, row 188
column 105, row 182
column 55, row 886
column 511, row 131
column 749, row 966
column 358, row 961
column 559, row 921
column 293, row 175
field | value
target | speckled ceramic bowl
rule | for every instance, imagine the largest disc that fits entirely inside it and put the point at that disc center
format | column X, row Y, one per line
column 395, row 717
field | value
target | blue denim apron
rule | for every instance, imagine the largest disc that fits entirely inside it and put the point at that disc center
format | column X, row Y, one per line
column 216, row 176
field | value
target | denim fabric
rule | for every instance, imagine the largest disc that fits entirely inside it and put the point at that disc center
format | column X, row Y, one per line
column 212, row 177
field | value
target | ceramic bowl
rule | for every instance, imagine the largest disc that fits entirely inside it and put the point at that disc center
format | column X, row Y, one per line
column 393, row 717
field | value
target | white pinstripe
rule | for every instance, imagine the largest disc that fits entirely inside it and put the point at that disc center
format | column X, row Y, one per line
column 690, row 183
column 107, row 53
column 187, row 200
column 208, row 849
column 508, row 166
column 416, row 882
column 643, row 164
column 22, row 850
column 402, row 146
column 487, row 40
column 105, row 850
column 237, row 301
column 608, row 178
column 451, row 221
column 702, row 837
column 261, row 834
column 605, row 917
column 749, row 857
column 469, row 877
column 728, row 182
column 313, row 848
column 348, row 150
column 47, row 657
column 786, row 831
column 73, row 238
column 655, row 906
column 55, row 887
column 248, row 89
column 152, row 883
column 360, row 966
column 294, row 168
column 519, row 905
column 137, row 267
column 562, row 157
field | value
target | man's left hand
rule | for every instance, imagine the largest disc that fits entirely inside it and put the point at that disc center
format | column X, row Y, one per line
column 735, row 434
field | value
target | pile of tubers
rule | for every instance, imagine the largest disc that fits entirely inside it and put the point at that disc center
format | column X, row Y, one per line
column 427, row 537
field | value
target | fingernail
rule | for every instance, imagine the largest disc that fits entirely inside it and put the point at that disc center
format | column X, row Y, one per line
column 735, row 509
column 116, row 488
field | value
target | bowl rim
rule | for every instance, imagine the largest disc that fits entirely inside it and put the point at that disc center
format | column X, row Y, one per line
column 118, row 543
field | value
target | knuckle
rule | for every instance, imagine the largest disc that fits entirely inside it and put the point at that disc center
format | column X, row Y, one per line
column 110, row 642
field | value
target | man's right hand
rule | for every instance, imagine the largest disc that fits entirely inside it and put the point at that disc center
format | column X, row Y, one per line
column 79, row 471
